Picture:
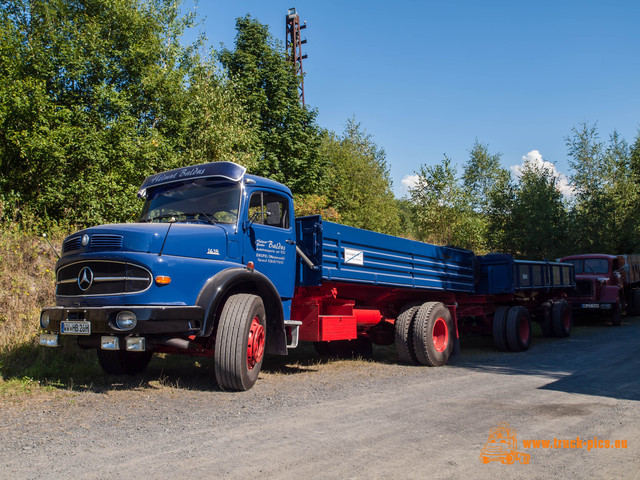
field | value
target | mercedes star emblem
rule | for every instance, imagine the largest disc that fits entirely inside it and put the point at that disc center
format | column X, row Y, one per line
column 85, row 279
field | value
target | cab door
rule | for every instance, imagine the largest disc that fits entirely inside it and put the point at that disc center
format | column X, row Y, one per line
column 269, row 240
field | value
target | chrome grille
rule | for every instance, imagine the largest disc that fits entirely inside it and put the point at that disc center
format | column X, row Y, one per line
column 71, row 243
column 101, row 277
column 101, row 240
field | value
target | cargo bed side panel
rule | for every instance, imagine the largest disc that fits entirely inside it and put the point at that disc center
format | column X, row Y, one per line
column 353, row 255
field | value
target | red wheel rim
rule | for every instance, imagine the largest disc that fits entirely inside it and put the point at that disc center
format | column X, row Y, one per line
column 255, row 343
column 523, row 330
column 440, row 334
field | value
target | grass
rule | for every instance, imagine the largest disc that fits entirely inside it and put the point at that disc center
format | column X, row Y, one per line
column 26, row 285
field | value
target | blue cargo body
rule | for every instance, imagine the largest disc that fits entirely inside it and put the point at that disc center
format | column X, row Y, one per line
column 353, row 255
column 502, row 274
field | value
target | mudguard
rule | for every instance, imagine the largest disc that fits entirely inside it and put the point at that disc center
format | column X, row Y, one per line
column 243, row 280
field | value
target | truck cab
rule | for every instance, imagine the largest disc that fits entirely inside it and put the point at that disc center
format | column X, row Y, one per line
column 212, row 243
column 599, row 284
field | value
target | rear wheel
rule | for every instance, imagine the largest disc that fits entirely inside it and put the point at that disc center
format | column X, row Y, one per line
column 518, row 329
column 119, row 362
column 499, row 328
column 240, row 342
column 433, row 334
column 404, row 335
column 561, row 319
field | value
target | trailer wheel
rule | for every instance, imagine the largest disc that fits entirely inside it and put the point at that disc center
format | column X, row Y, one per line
column 404, row 336
column 433, row 334
column 240, row 342
column 499, row 328
column 518, row 329
column 119, row 362
column 561, row 319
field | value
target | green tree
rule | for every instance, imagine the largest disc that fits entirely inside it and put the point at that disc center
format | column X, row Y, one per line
column 361, row 186
column 604, row 215
column 502, row 199
column 219, row 125
column 481, row 173
column 93, row 100
column 443, row 213
column 289, row 138
column 538, row 222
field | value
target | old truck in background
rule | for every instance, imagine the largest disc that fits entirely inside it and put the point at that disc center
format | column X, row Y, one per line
column 218, row 266
column 606, row 283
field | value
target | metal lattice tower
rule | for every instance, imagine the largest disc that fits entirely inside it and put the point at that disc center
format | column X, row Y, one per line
column 294, row 47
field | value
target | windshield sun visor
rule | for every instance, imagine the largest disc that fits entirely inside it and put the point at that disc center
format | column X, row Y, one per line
column 226, row 170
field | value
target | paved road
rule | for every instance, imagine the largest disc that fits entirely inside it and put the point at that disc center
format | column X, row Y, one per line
column 348, row 419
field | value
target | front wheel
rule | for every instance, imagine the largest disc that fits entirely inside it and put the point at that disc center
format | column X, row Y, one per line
column 240, row 342
column 119, row 362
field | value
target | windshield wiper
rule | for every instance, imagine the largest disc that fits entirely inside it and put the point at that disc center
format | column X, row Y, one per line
column 159, row 217
column 182, row 217
column 200, row 215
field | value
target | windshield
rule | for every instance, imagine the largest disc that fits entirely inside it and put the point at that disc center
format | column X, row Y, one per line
column 198, row 201
column 591, row 265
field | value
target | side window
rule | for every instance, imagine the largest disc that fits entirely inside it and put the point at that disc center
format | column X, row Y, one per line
column 267, row 208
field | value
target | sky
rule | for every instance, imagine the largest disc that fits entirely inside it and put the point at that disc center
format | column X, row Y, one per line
column 428, row 78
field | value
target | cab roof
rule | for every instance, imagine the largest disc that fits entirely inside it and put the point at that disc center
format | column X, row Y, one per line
column 225, row 170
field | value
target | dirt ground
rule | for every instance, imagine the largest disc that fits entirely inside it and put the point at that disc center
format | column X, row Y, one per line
column 344, row 419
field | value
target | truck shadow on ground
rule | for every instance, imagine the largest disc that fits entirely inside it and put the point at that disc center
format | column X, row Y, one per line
column 598, row 359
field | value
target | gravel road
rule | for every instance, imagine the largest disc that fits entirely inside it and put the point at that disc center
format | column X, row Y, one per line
column 342, row 419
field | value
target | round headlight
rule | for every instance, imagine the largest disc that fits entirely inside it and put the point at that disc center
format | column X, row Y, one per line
column 44, row 319
column 126, row 320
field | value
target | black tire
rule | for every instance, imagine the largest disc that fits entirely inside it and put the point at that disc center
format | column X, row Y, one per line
column 499, row 328
column 433, row 334
column 543, row 315
column 518, row 329
column 122, row 362
column 240, row 342
column 404, row 336
column 561, row 319
column 616, row 314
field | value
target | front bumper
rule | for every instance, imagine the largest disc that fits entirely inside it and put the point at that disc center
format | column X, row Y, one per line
column 150, row 319
column 587, row 305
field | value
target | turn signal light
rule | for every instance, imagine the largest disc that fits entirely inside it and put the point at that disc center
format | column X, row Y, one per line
column 163, row 280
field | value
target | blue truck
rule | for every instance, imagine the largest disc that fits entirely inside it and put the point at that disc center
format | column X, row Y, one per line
column 218, row 266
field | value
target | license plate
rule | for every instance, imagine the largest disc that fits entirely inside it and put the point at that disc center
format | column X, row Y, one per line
column 75, row 328
column 590, row 305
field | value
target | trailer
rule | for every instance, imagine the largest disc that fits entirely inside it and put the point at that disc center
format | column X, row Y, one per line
column 219, row 266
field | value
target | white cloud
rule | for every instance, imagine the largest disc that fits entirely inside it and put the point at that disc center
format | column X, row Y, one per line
column 408, row 181
column 534, row 157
